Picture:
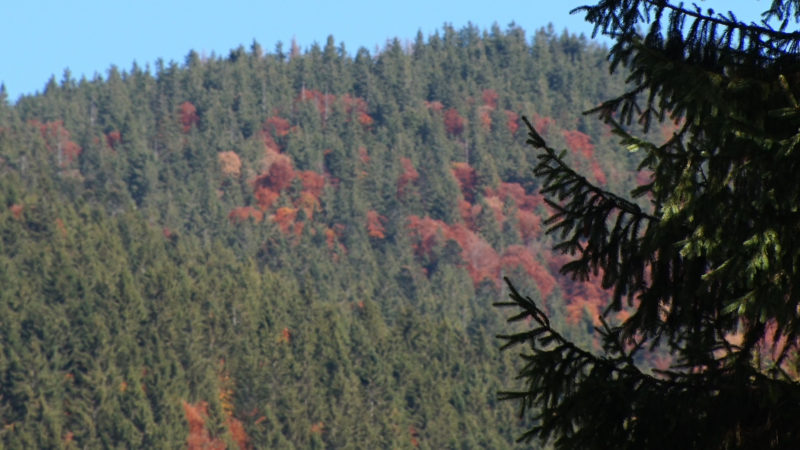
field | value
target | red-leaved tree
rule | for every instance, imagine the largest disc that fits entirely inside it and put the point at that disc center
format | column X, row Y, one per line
column 188, row 115
column 312, row 182
column 453, row 122
column 512, row 121
column 466, row 177
column 57, row 140
column 490, row 97
column 242, row 213
column 375, row 226
column 409, row 175
column 579, row 143
column 277, row 126
column 199, row 438
column 113, row 138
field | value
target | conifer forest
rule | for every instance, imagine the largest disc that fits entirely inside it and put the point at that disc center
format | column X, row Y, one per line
column 300, row 248
column 287, row 248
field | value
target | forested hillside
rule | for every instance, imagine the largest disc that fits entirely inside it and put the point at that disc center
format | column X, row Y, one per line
column 288, row 249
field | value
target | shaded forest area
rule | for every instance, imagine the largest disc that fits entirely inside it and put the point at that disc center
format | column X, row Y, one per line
column 289, row 249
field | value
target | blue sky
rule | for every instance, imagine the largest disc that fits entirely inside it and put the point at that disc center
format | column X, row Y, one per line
column 40, row 38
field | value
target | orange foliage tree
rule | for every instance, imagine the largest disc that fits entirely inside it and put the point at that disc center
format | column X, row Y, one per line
column 425, row 231
column 512, row 121
column 481, row 259
column 286, row 336
column 598, row 173
column 16, row 210
column 113, row 138
column 243, row 213
column 485, row 118
column 57, row 140
column 308, row 202
column 375, row 225
column 265, row 197
column 543, row 123
column 279, row 175
column 453, row 122
column 466, row 177
column 199, row 438
column 357, row 106
column 489, row 97
column 229, row 163
column 285, row 217
column 363, row 155
column 330, row 238
column 323, row 102
column 529, row 225
column 516, row 192
column 409, row 175
column 188, row 115
column 312, row 182
column 496, row 205
column 278, row 126
column 468, row 212
column 519, row 256
column 579, row 143
column 435, row 105
column 317, row 427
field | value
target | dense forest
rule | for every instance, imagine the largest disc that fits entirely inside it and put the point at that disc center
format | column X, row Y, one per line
column 289, row 249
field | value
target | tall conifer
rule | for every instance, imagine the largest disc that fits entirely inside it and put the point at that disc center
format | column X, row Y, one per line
column 708, row 271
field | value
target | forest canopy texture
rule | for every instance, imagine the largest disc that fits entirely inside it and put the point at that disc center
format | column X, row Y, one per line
column 702, row 258
column 296, row 248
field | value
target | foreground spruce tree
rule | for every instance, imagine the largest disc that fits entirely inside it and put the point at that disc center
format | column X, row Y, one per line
column 709, row 271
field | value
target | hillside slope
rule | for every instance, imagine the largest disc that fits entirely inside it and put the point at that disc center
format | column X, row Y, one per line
column 288, row 250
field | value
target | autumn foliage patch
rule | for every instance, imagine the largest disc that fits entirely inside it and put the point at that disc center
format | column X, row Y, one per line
column 313, row 182
column 113, row 138
column 435, row 105
column 579, row 143
column 515, row 191
column 57, row 140
column 512, row 121
column 466, row 177
column 187, row 116
column 199, row 437
column 375, row 226
column 229, row 163
column 277, row 126
column 453, row 122
column 489, row 97
column 480, row 258
column 519, row 256
column 408, row 176
column 243, row 213
column 16, row 210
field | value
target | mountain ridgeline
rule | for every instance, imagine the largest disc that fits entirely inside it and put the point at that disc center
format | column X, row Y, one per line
column 289, row 249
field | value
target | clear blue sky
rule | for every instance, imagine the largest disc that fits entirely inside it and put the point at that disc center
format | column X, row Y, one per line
column 40, row 38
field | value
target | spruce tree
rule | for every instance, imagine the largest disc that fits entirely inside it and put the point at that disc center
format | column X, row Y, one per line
column 708, row 270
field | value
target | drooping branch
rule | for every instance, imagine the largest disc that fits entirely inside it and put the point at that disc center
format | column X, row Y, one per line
column 575, row 395
column 602, row 228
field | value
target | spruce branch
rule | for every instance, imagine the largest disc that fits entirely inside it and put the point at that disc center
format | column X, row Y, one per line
column 621, row 19
column 567, row 385
column 600, row 227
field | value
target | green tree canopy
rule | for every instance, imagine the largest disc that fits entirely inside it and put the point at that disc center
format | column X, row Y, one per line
column 703, row 256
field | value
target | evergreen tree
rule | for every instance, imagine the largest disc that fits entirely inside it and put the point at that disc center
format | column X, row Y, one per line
column 707, row 271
